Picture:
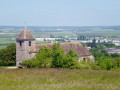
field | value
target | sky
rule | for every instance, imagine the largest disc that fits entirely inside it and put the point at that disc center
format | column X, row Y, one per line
column 60, row 12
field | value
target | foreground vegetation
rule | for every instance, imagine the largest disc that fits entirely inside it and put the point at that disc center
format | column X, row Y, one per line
column 61, row 79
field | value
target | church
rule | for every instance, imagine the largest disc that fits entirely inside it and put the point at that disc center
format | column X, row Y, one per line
column 26, row 48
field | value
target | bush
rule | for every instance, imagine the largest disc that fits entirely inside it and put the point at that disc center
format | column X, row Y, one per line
column 27, row 63
column 83, row 65
column 95, row 67
column 41, row 60
column 61, row 60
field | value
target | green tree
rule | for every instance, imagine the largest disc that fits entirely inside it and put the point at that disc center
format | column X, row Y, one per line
column 93, row 44
column 58, row 56
column 116, row 62
column 108, row 63
column 41, row 60
column 8, row 56
column 44, row 56
column 115, row 55
column 71, row 60
column 101, row 62
column 61, row 60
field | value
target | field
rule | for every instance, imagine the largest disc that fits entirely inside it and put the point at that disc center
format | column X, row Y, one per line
column 2, row 47
column 9, row 33
column 6, row 42
column 61, row 79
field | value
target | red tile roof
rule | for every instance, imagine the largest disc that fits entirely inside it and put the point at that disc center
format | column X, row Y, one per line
column 75, row 46
column 25, row 34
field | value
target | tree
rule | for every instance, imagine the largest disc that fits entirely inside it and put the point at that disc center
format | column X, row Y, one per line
column 45, row 39
column 102, row 62
column 71, row 60
column 44, row 56
column 93, row 43
column 108, row 63
column 116, row 62
column 61, row 60
column 115, row 55
column 58, row 56
column 8, row 56
column 41, row 60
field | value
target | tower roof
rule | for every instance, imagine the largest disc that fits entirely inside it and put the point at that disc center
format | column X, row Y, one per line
column 25, row 34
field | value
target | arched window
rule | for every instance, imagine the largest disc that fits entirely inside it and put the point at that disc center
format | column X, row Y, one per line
column 29, row 43
column 20, row 43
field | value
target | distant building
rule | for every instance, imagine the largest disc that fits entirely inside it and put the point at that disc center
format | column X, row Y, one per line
column 47, row 39
column 26, row 47
column 116, row 42
column 113, row 50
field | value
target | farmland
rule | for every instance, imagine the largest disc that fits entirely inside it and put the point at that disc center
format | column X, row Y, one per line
column 35, row 79
column 4, row 42
column 9, row 33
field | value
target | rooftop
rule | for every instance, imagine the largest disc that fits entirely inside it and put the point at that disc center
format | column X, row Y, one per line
column 25, row 34
column 75, row 46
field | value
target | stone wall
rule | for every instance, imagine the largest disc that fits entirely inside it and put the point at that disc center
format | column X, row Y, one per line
column 86, row 58
column 22, row 52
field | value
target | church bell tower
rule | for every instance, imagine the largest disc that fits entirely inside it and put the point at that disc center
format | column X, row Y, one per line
column 24, row 42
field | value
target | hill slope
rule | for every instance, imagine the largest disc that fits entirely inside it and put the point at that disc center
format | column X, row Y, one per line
column 58, row 79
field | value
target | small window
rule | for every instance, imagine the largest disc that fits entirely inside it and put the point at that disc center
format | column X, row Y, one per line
column 83, row 59
column 20, row 43
column 29, row 43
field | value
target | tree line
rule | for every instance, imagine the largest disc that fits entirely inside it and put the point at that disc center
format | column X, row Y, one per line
column 103, row 59
column 56, row 58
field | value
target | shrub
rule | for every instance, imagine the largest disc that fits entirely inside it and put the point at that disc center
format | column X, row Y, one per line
column 27, row 63
column 83, row 65
column 41, row 60
column 61, row 60
column 44, row 57
column 95, row 67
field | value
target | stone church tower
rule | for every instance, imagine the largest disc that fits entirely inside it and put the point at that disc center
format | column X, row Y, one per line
column 24, row 42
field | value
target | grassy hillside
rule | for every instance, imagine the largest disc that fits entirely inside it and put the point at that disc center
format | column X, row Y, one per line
column 34, row 79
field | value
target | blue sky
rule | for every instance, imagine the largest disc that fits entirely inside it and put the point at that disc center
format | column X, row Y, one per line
column 60, row 12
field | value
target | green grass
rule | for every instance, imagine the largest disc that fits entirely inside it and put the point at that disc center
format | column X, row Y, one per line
column 111, row 33
column 58, row 79
column 55, row 34
column 117, row 69
column 38, row 42
column 4, row 67
column 7, row 41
